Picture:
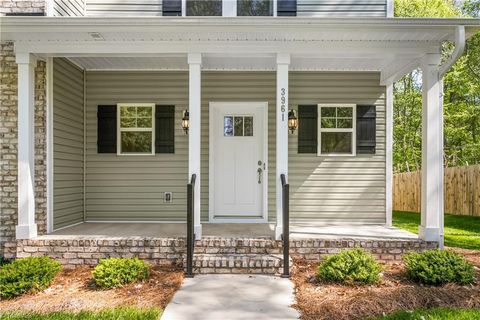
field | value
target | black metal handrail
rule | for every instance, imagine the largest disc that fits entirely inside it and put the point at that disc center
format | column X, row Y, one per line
column 286, row 226
column 190, row 225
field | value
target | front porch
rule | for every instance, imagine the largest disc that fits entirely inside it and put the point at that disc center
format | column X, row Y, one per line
column 224, row 248
column 168, row 68
column 107, row 231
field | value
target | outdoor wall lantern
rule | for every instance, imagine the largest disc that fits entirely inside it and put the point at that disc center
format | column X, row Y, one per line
column 292, row 121
column 185, row 121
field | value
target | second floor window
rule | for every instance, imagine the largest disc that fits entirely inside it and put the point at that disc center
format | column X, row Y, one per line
column 204, row 7
column 254, row 7
column 228, row 8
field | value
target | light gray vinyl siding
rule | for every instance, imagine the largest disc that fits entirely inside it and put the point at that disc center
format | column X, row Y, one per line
column 337, row 189
column 124, row 8
column 323, row 189
column 131, row 188
column 67, row 143
column 68, row 8
column 305, row 8
column 342, row 8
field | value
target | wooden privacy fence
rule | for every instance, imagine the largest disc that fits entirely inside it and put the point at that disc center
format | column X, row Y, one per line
column 462, row 191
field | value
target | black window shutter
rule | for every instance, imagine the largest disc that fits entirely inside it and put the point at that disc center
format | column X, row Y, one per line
column 307, row 128
column 107, row 129
column 287, row 8
column 172, row 8
column 366, row 129
column 164, row 129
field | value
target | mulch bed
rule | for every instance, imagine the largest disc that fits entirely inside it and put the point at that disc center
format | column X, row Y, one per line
column 394, row 292
column 74, row 290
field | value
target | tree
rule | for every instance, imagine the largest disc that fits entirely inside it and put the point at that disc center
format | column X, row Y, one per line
column 461, row 95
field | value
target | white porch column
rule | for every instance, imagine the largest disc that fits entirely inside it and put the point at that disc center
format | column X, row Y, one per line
column 26, row 227
column 194, row 135
column 389, row 155
column 432, row 151
column 283, row 61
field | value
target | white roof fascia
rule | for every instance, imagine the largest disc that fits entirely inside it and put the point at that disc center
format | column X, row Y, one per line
column 151, row 24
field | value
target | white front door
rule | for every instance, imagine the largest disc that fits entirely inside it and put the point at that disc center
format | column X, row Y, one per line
column 237, row 161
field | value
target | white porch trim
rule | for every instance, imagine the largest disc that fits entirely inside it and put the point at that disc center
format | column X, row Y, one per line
column 26, row 227
column 283, row 61
column 194, row 136
column 432, row 151
column 390, row 9
column 389, row 155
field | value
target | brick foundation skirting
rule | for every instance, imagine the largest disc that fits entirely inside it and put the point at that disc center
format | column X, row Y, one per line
column 168, row 251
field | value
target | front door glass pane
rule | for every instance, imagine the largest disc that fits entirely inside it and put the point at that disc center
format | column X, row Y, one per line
column 248, row 124
column 238, row 126
column 228, row 126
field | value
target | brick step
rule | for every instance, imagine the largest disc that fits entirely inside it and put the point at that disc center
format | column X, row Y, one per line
column 237, row 263
column 237, row 246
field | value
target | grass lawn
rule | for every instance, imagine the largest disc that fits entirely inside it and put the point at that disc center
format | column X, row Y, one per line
column 113, row 314
column 460, row 231
column 435, row 314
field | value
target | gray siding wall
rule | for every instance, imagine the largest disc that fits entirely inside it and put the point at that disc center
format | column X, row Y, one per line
column 323, row 189
column 305, row 8
column 68, row 8
column 337, row 189
column 67, row 143
column 124, row 7
column 131, row 188
column 342, row 8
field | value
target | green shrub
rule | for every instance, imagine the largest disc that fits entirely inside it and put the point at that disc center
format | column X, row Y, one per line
column 438, row 267
column 27, row 275
column 355, row 266
column 3, row 261
column 115, row 272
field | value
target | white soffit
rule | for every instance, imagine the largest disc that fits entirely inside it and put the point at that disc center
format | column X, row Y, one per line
column 230, row 62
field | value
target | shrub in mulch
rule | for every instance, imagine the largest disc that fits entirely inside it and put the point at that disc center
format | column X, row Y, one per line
column 354, row 266
column 27, row 275
column 318, row 300
column 73, row 290
column 116, row 272
column 437, row 267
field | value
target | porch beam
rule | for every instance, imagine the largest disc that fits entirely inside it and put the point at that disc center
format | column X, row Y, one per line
column 328, row 48
column 393, row 72
column 283, row 62
column 194, row 136
column 432, row 151
column 26, row 227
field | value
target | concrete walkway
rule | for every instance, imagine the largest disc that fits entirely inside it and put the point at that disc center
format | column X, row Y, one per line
column 232, row 297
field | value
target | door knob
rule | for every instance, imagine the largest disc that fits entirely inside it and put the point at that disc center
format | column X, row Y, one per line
column 259, row 171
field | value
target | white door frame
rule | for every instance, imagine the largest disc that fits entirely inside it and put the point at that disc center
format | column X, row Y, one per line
column 211, row 188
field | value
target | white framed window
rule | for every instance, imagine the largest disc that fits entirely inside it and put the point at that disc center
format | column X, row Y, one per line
column 136, row 129
column 229, row 8
column 336, row 129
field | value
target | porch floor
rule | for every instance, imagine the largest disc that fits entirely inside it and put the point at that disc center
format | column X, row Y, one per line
column 237, row 230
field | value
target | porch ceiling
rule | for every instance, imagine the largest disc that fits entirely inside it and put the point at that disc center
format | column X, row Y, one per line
column 242, row 62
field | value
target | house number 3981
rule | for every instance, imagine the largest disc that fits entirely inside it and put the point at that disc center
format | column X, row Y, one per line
column 282, row 103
